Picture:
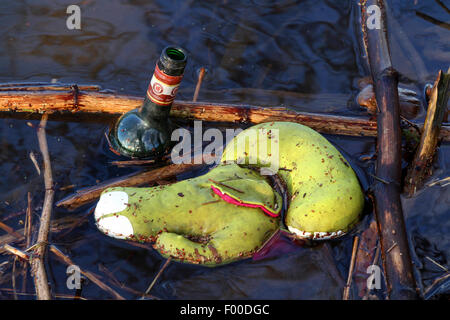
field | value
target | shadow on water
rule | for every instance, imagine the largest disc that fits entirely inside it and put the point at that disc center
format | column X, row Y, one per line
column 300, row 54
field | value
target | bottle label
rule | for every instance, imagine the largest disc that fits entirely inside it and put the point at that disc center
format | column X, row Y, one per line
column 163, row 88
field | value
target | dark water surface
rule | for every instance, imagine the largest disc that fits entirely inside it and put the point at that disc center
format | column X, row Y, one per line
column 301, row 54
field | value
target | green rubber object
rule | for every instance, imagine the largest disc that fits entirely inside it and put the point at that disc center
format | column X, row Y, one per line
column 231, row 211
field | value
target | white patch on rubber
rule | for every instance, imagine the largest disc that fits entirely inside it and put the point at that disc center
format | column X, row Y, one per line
column 111, row 202
column 316, row 235
column 117, row 226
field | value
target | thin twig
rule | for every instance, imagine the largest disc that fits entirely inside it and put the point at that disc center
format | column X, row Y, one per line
column 225, row 185
column 28, row 222
column 11, row 231
column 37, row 265
column 374, row 263
column 346, row 294
column 114, row 281
column 36, row 165
column 436, row 263
column 13, row 278
column 27, row 233
column 201, row 75
column 441, row 182
column 428, row 292
column 18, row 253
column 62, row 257
column 157, row 276
column 125, row 163
column 63, row 296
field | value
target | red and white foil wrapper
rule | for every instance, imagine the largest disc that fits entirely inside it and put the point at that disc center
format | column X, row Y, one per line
column 163, row 88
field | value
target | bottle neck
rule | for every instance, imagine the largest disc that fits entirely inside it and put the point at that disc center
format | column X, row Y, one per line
column 160, row 93
column 149, row 109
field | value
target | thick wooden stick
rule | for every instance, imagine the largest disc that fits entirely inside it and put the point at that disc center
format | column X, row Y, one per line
column 391, row 226
column 79, row 102
column 89, row 194
column 37, row 265
column 420, row 168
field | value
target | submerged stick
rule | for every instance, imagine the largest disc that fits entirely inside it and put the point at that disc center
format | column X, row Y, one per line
column 62, row 257
column 391, row 226
column 37, row 265
column 420, row 168
column 81, row 102
column 166, row 263
column 434, row 288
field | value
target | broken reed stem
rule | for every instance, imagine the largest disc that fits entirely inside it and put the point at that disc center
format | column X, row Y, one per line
column 346, row 294
column 65, row 259
column 11, row 231
column 13, row 278
column 421, row 166
column 201, row 75
column 27, row 233
column 16, row 252
column 391, row 226
column 37, row 265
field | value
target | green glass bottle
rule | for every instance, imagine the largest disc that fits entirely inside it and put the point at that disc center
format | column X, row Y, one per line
column 145, row 132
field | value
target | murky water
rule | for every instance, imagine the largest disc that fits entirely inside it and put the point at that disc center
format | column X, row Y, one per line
column 301, row 54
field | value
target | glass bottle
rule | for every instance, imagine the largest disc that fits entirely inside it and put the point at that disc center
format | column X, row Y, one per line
column 145, row 132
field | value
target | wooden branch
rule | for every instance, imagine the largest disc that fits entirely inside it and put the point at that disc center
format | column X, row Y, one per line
column 391, row 226
column 420, row 168
column 78, row 103
column 89, row 194
column 37, row 265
